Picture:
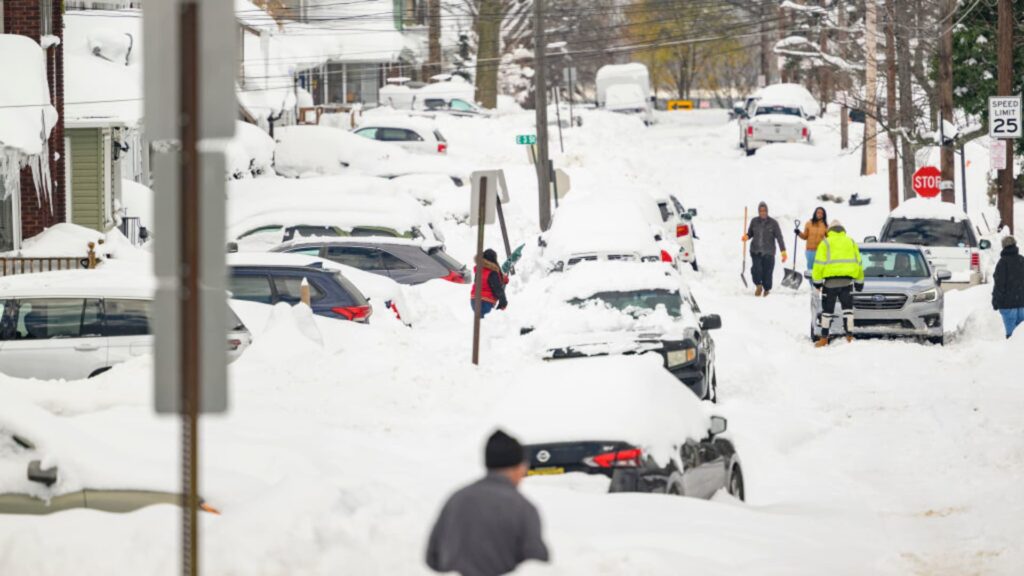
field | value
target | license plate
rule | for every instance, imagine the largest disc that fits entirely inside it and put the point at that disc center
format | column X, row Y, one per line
column 545, row 471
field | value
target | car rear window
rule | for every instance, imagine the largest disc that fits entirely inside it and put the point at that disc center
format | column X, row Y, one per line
column 784, row 110
column 127, row 317
column 439, row 136
column 665, row 213
column 445, row 260
column 252, row 288
column 926, row 232
column 289, row 289
column 351, row 291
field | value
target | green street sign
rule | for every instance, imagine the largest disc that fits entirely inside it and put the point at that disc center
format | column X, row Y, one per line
column 526, row 139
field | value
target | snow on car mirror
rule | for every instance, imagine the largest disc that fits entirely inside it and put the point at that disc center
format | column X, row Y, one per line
column 718, row 425
column 45, row 476
column 943, row 275
column 870, row 239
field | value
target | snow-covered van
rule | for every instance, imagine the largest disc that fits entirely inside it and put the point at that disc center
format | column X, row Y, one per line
column 944, row 232
column 626, row 89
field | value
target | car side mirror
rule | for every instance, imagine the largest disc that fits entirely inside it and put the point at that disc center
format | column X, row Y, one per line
column 718, row 425
column 45, row 476
column 692, row 212
column 984, row 244
column 870, row 239
column 943, row 275
column 710, row 322
column 807, row 274
column 525, row 330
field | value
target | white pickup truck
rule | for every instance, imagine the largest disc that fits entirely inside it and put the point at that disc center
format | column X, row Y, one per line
column 770, row 123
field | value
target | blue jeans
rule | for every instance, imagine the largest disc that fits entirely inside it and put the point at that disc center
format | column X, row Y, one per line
column 1012, row 317
column 485, row 307
column 810, row 258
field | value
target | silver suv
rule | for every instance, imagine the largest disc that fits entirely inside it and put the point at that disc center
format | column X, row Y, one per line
column 902, row 295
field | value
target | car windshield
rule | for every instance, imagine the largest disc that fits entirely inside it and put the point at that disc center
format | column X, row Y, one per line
column 784, row 110
column 894, row 264
column 635, row 302
column 925, row 232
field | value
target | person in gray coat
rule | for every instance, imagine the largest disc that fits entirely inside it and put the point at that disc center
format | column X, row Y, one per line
column 488, row 528
column 763, row 233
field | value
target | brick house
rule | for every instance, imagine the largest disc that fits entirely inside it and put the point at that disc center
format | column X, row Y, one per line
column 41, row 20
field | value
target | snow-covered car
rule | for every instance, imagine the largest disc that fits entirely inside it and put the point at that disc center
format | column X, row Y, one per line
column 678, row 223
column 775, row 123
column 945, row 234
column 625, row 89
column 412, row 134
column 45, row 470
column 602, row 228
column 404, row 261
column 603, row 308
column 79, row 323
column 261, row 226
column 902, row 296
column 624, row 418
column 791, row 94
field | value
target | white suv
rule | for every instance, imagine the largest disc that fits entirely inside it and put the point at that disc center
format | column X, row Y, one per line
column 77, row 324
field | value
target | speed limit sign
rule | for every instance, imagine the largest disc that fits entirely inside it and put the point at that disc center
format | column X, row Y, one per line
column 1004, row 118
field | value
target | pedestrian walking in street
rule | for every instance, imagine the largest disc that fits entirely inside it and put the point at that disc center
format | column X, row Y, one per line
column 764, row 233
column 1008, row 288
column 492, row 285
column 488, row 528
column 838, row 271
column 813, row 233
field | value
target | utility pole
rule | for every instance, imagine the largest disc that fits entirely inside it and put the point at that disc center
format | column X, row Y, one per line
column 540, row 89
column 766, row 71
column 1005, row 88
column 433, row 38
column 906, row 86
column 890, row 102
column 871, row 88
column 844, row 111
column 947, row 164
column 488, row 24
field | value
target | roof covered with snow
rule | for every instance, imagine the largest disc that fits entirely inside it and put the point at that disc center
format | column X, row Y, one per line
column 928, row 208
column 26, row 114
column 790, row 94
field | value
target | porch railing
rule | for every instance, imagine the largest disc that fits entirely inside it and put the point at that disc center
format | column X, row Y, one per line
column 13, row 265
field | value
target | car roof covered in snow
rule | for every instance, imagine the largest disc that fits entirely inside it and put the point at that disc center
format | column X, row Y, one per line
column 889, row 246
column 419, row 124
column 600, row 225
column 612, row 398
column 96, row 283
column 588, row 278
column 928, row 209
column 422, row 243
column 789, row 94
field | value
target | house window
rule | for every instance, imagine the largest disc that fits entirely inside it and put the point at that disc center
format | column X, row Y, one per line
column 8, row 219
column 45, row 17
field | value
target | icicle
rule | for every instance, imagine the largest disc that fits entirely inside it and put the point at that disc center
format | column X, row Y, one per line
column 10, row 171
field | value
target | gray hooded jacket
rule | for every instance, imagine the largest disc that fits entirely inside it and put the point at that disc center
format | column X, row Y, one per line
column 486, row 529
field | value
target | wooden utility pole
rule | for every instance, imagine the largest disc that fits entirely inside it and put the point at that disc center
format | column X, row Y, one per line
column 488, row 32
column 433, row 38
column 904, row 73
column 871, row 89
column 1005, row 88
column 766, row 48
column 947, row 164
column 890, row 102
column 541, row 101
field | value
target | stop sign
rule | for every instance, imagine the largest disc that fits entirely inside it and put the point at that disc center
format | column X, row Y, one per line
column 926, row 181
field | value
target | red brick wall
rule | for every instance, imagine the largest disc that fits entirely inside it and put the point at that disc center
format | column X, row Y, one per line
column 23, row 17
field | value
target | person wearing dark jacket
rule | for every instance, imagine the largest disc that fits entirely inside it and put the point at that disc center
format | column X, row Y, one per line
column 488, row 528
column 492, row 284
column 764, row 233
column 1008, row 289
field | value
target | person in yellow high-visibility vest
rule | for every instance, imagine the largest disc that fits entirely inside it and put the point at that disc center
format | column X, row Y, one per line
column 838, row 270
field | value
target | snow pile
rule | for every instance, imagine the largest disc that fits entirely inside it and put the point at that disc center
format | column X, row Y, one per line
column 604, row 224
column 929, row 209
column 137, row 200
column 583, row 400
column 250, row 153
column 63, row 239
column 290, row 333
column 403, row 97
column 114, row 46
column 306, row 151
column 103, row 65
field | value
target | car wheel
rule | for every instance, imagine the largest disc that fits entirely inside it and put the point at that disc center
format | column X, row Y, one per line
column 746, row 147
column 736, row 484
column 937, row 340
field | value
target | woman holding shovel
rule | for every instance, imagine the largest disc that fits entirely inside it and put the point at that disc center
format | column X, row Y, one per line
column 814, row 232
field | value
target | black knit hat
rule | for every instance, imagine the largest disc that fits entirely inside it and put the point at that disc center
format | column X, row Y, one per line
column 503, row 451
column 491, row 255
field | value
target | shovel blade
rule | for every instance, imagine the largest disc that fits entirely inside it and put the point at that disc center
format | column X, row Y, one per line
column 743, row 277
column 792, row 279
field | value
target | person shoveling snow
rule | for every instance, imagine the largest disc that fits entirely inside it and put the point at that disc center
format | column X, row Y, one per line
column 837, row 271
column 764, row 232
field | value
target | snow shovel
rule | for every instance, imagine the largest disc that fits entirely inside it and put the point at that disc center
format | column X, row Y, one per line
column 743, row 270
column 791, row 278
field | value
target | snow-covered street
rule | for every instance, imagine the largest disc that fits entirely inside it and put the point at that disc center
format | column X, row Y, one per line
column 871, row 457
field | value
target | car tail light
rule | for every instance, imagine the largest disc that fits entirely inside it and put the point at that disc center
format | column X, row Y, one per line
column 234, row 344
column 630, row 458
column 442, row 147
column 455, row 276
column 666, row 257
column 975, row 261
column 750, row 130
column 804, row 133
column 354, row 313
column 682, row 230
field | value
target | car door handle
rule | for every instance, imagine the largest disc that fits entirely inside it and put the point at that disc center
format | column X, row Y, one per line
column 87, row 347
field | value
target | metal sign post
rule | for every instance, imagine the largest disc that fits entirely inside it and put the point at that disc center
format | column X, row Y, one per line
column 190, row 99
column 482, row 207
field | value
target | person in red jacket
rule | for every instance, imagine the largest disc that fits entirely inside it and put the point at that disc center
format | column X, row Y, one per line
column 493, row 281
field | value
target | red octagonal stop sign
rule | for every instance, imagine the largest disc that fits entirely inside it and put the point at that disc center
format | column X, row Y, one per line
column 926, row 181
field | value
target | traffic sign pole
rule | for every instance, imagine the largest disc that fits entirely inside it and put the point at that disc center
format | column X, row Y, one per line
column 478, row 272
